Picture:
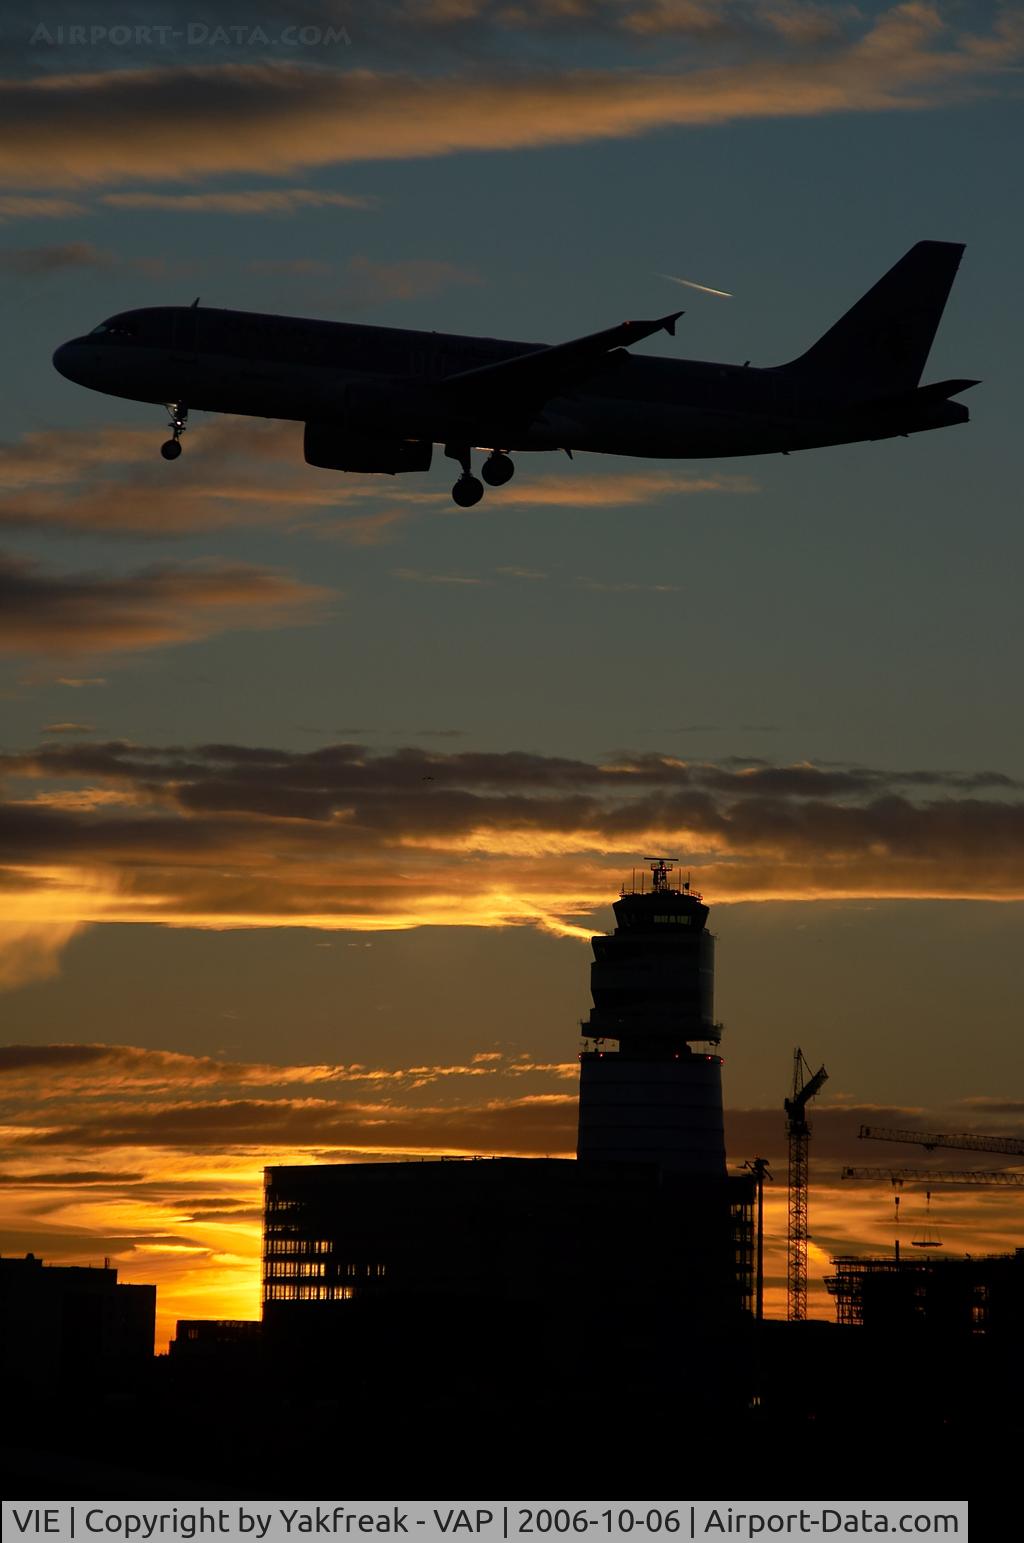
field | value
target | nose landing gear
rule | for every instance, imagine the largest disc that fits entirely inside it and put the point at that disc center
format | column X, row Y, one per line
column 171, row 448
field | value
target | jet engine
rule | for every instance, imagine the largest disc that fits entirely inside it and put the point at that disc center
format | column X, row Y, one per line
column 346, row 449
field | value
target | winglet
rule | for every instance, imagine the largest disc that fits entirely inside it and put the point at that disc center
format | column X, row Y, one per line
column 636, row 331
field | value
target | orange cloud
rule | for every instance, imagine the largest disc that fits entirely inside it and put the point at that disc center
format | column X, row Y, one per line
column 73, row 130
column 618, row 489
column 244, row 472
column 40, row 912
column 67, row 614
column 100, row 1070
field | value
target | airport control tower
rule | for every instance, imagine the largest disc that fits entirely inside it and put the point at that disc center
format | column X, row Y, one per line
column 656, row 1095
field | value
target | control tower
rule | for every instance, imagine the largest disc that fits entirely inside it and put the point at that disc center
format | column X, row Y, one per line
column 656, row 1096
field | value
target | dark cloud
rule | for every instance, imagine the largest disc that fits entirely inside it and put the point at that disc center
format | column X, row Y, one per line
column 254, row 834
column 14, row 206
column 48, row 1239
column 542, row 1124
column 339, row 771
column 41, row 611
column 59, row 1178
column 538, row 1123
column 39, row 261
column 235, row 1213
column 17, row 1058
column 259, row 201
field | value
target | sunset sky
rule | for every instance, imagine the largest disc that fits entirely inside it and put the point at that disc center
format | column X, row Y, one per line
column 316, row 786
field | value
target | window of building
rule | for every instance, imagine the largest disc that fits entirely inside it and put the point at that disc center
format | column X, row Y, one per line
column 283, row 1269
column 304, row 1291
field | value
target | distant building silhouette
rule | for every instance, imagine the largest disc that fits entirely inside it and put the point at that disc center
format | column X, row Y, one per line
column 948, row 1297
column 654, row 1098
column 644, row 1232
column 72, row 1324
column 215, row 1339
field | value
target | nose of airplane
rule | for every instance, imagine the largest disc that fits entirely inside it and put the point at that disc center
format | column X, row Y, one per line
column 63, row 360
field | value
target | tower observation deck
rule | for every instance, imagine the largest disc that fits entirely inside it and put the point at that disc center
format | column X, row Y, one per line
column 657, row 1097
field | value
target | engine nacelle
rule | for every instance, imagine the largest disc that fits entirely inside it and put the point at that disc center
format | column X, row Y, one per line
column 347, row 449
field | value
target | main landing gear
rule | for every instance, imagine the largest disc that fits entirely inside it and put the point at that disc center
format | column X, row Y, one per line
column 496, row 471
column 171, row 448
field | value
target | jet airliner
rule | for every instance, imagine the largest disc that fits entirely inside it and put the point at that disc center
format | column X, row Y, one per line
column 378, row 399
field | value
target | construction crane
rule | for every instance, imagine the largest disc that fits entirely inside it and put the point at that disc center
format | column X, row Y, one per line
column 934, row 1176
column 798, row 1130
column 1012, row 1146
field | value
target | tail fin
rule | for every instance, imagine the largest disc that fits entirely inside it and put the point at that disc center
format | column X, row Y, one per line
column 881, row 344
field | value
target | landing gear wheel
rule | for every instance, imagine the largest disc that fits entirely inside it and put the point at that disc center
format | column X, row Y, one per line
column 468, row 491
column 179, row 423
column 498, row 469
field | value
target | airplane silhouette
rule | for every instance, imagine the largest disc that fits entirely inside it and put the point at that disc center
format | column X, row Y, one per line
column 377, row 399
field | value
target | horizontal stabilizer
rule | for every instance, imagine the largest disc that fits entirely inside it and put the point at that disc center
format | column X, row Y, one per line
column 938, row 391
column 942, row 390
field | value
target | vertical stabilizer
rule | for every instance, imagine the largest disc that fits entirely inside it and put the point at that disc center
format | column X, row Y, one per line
column 882, row 343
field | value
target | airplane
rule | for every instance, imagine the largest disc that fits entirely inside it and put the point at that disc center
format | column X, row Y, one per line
column 377, row 399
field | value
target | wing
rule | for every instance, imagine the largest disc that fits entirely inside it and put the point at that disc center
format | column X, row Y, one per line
column 526, row 381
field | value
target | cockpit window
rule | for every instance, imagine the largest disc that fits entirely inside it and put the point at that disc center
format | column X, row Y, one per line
column 115, row 328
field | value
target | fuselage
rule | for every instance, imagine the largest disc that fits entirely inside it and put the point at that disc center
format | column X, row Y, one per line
column 390, row 382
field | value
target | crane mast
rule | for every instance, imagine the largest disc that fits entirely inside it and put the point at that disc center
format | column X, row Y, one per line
column 805, row 1087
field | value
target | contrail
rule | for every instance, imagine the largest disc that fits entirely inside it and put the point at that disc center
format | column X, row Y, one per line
column 704, row 288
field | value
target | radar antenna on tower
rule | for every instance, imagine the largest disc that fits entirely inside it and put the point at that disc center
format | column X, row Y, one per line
column 661, row 867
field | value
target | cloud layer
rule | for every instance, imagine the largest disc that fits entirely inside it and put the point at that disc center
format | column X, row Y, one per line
column 245, row 472
column 101, row 613
column 71, row 130
column 241, row 836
